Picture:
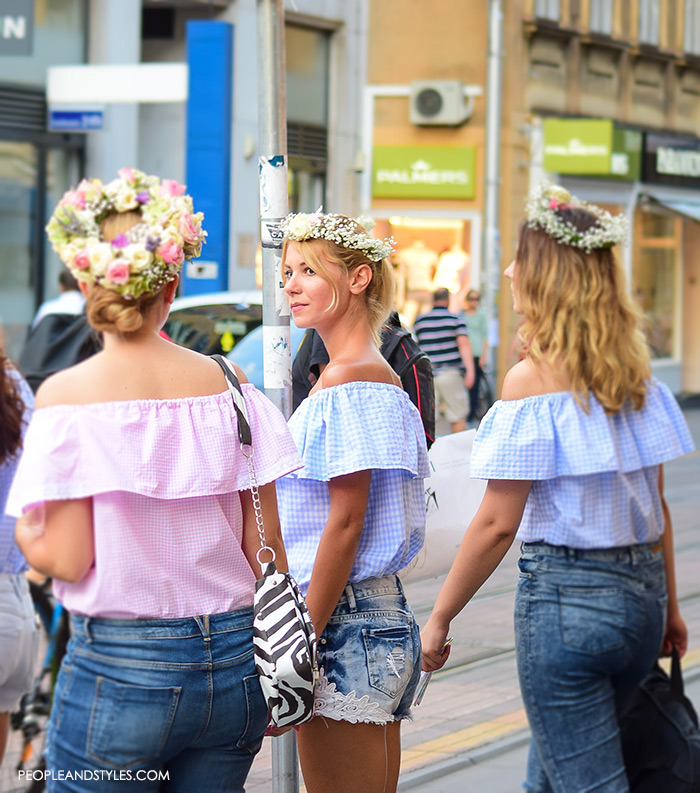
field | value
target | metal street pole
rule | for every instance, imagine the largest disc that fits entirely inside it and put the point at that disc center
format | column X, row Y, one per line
column 491, row 235
column 277, row 359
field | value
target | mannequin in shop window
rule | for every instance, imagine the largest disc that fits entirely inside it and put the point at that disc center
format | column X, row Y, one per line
column 452, row 273
column 417, row 265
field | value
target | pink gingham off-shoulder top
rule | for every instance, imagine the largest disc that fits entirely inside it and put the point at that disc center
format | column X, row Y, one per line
column 164, row 477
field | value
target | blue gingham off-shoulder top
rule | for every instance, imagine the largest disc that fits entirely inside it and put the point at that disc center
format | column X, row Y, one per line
column 595, row 476
column 353, row 427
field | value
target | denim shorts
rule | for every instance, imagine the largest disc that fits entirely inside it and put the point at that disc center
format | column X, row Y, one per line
column 155, row 699
column 19, row 640
column 588, row 627
column 369, row 655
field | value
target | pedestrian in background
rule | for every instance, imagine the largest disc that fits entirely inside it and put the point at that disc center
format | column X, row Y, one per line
column 69, row 301
column 444, row 337
column 354, row 516
column 18, row 633
column 573, row 453
column 134, row 496
column 478, row 327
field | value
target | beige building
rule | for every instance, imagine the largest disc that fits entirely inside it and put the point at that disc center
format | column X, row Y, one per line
column 602, row 96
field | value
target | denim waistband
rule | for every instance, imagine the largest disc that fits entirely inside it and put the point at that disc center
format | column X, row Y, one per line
column 625, row 554
column 178, row 627
column 370, row 587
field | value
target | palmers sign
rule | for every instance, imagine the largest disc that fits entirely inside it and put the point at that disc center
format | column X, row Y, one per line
column 423, row 172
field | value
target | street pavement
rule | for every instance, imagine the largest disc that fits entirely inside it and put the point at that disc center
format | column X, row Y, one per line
column 470, row 732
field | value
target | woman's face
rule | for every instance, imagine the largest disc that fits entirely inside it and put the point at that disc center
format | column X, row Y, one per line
column 511, row 272
column 310, row 296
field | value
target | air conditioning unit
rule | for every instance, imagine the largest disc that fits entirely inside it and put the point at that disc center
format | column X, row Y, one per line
column 439, row 102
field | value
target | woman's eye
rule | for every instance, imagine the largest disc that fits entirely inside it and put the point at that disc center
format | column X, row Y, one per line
column 309, row 271
column 287, row 274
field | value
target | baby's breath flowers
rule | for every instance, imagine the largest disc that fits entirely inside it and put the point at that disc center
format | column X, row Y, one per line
column 543, row 211
column 339, row 229
column 144, row 258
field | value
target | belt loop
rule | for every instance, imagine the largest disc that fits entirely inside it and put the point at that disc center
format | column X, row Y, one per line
column 86, row 628
column 350, row 595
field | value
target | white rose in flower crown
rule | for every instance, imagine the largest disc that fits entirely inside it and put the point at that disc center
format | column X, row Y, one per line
column 299, row 227
column 561, row 194
column 138, row 257
column 100, row 254
column 125, row 200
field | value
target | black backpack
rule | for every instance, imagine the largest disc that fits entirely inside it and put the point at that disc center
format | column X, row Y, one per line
column 57, row 342
column 413, row 366
column 660, row 736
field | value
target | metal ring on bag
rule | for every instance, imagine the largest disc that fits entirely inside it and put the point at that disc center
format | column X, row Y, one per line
column 245, row 453
column 266, row 548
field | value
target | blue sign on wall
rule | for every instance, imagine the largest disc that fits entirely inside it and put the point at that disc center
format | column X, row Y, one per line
column 75, row 120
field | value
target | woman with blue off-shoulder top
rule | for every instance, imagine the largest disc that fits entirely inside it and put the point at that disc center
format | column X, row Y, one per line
column 573, row 454
column 354, row 515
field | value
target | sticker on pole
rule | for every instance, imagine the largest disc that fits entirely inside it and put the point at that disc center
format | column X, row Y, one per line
column 277, row 356
column 271, row 235
column 273, row 187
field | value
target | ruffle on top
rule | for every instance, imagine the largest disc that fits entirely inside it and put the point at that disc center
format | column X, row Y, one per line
column 550, row 435
column 163, row 449
column 356, row 427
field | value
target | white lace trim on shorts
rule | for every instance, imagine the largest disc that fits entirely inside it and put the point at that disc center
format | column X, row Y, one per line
column 332, row 704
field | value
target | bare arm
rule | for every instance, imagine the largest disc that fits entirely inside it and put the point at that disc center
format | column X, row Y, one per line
column 58, row 539
column 467, row 355
column 271, row 522
column 338, row 546
column 676, row 629
column 489, row 536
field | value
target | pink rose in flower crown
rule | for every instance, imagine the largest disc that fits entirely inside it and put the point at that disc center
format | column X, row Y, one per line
column 171, row 253
column 118, row 272
column 127, row 175
column 169, row 187
column 190, row 228
column 73, row 198
column 81, row 260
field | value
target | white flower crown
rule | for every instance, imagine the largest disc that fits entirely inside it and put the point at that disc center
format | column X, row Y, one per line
column 339, row 229
column 144, row 258
column 543, row 212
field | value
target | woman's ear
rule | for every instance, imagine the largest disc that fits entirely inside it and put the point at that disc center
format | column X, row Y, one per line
column 171, row 289
column 360, row 278
column 83, row 288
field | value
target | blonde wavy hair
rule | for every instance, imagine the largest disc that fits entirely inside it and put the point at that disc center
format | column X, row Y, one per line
column 379, row 295
column 577, row 312
column 108, row 310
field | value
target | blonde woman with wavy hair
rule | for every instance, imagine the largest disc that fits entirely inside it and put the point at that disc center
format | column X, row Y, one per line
column 573, row 453
column 354, row 515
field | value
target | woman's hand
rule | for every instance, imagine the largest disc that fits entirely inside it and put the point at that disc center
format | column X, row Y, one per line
column 676, row 635
column 433, row 638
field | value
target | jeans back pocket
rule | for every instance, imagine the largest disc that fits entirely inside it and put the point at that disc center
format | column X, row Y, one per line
column 592, row 618
column 389, row 654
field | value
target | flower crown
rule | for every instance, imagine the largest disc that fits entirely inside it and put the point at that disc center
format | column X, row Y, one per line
column 144, row 258
column 339, row 229
column 542, row 212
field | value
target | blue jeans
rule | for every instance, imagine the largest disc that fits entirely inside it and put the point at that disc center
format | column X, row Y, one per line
column 588, row 627
column 137, row 700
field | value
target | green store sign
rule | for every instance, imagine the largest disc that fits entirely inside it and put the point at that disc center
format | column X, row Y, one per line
column 592, row 147
column 423, row 172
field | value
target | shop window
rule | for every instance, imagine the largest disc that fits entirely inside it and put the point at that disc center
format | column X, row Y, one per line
column 655, row 267
column 691, row 35
column 649, row 22
column 600, row 18
column 547, row 9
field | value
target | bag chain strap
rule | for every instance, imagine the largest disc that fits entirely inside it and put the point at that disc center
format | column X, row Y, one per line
column 255, row 494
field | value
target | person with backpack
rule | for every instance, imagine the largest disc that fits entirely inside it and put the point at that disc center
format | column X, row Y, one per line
column 399, row 349
column 354, row 515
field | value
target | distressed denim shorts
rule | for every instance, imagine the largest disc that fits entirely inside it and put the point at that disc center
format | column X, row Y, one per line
column 369, row 655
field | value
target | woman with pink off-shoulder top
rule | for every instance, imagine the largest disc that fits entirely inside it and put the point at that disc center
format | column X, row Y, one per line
column 134, row 496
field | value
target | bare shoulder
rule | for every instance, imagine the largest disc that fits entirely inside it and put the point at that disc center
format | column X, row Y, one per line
column 66, row 387
column 528, row 378
column 240, row 374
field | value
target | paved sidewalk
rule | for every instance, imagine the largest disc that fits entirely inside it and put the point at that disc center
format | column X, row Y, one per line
column 473, row 707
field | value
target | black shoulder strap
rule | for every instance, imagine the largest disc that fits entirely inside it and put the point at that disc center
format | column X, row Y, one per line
column 234, row 387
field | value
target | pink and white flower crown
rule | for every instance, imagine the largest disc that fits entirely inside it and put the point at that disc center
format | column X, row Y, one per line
column 149, row 254
column 542, row 213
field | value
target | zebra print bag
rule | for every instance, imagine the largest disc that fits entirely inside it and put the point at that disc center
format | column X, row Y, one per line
column 284, row 640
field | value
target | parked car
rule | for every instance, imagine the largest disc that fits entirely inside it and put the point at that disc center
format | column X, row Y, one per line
column 215, row 322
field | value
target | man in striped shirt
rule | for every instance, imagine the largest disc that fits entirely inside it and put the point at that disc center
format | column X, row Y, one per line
column 444, row 338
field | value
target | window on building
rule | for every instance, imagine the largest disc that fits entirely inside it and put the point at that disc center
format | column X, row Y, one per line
column 547, row 9
column 654, row 273
column 691, row 34
column 649, row 22
column 601, row 16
